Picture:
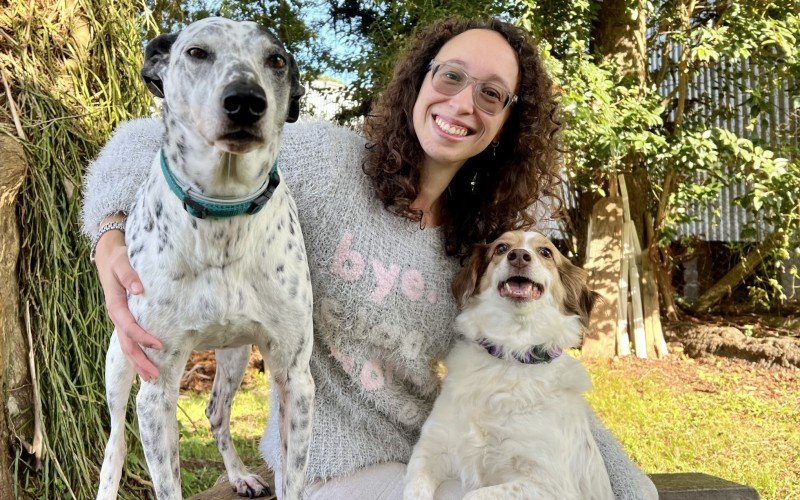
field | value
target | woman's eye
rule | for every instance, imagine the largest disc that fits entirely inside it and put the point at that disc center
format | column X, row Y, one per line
column 500, row 249
column 545, row 252
column 197, row 53
column 492, row 94
column 452, row 76
column 276, row 61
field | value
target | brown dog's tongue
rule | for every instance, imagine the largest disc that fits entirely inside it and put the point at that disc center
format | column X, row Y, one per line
column 520, row 290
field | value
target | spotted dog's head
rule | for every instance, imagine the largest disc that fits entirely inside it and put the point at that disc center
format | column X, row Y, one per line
column 233, row 83
column 520, row 291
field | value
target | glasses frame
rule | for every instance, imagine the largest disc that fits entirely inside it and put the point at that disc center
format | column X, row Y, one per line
column 434, row 66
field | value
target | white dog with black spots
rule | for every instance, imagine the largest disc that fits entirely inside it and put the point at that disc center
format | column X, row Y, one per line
column 215, row 239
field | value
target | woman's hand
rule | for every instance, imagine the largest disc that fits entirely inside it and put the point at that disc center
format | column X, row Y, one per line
column 117, row 278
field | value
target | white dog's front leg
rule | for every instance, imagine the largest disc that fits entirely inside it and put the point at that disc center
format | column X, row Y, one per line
column 296, row 391
column 426, row 470
column 231, row 365
column 119, row 379
column 156, row 406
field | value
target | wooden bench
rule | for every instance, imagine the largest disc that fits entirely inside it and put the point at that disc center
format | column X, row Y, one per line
column 697, row 486
column 680, row 486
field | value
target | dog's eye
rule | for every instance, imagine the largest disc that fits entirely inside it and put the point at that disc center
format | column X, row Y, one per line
column 276, row 61
column 197, row 53
column 545, row 252
column 500, row 249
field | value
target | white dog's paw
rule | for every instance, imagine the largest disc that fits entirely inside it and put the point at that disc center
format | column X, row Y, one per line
column 418, row 489
column 251, row 486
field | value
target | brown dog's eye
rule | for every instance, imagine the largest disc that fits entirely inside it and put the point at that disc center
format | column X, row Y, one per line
column 276, row 61
column 500, row 249
column 197, row 53
column 545, row 252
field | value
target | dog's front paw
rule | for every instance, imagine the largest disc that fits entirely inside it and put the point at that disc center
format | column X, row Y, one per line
column 251, row 486
column 418, row 489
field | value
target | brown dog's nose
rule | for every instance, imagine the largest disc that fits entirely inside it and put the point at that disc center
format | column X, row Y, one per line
column 519, row 257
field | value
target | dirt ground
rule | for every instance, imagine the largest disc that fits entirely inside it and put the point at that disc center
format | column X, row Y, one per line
column 200, row 369
column 765, row 340
column 765, row 351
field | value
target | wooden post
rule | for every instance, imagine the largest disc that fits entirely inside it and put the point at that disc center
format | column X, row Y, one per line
column 631, row 254
column 652, row 313
column 623, row 339
column 639, row 335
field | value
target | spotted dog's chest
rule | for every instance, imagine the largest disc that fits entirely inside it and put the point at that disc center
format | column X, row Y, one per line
column 222, row 282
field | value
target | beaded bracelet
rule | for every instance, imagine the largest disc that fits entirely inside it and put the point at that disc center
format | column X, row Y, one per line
column 118, row 225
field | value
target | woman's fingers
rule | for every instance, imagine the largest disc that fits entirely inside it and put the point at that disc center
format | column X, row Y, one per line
column 118, row 278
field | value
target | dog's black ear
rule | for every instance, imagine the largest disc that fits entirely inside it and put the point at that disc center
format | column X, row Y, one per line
column 156, row 58
column 579, row 300
column 468, row 276
column 296, row 92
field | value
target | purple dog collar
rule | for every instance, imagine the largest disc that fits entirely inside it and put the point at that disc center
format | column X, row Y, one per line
column 535, row 355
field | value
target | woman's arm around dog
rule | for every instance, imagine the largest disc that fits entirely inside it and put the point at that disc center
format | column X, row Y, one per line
column 109, row 190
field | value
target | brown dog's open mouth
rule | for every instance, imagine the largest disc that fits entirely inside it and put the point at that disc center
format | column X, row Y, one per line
column 520, row 288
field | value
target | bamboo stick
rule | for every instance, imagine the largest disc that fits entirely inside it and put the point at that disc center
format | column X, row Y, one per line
column 631, row 251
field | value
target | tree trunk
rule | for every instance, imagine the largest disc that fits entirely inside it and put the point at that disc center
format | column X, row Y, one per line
column 15, row 394
column 619, row 35
column 603, row 263
column 737, row 275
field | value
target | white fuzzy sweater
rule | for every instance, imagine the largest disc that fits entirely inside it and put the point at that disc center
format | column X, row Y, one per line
column 383, row 311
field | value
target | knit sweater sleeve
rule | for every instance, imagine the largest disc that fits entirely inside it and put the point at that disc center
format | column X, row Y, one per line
column 627, row 480
column 113, row 178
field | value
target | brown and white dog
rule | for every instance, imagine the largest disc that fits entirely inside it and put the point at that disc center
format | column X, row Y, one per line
column 511, row 420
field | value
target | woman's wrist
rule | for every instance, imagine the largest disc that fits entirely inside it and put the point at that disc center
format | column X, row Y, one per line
column 112, row 223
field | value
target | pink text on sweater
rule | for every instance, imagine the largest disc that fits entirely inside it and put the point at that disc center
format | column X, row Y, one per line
column 348, row 264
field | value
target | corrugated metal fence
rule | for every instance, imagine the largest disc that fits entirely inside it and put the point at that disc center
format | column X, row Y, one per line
column 719, row 93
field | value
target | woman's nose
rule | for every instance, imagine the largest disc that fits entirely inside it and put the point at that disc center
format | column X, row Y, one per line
column 463, row 101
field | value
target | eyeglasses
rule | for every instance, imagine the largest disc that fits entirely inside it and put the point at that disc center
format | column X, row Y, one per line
column 490, row 97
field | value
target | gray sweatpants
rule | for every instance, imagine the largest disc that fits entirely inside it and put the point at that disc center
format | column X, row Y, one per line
column 377, row 482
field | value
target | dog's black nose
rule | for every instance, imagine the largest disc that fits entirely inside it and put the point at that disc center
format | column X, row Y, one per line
column 519, row 257
column 244, row 103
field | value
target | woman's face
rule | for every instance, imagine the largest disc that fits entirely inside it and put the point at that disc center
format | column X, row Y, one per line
column 452, row 129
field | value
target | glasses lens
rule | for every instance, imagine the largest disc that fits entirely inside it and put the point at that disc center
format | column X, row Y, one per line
column 490, row 98
column 448, row 80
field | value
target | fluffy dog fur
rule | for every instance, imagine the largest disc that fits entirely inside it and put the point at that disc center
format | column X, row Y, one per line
column 222, row 283
column 506, row 428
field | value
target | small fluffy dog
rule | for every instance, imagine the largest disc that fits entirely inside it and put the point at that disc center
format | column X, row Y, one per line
column 511, row 421
column 215, row 238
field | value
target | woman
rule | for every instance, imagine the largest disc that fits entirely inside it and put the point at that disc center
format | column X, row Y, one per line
column 459, row 146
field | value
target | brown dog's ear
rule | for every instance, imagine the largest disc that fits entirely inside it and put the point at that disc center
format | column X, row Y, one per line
column 467, row 278
column 578, row 300
column 156, row 60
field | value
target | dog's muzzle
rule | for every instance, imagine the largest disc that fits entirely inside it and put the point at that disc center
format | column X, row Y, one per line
column 244, row 103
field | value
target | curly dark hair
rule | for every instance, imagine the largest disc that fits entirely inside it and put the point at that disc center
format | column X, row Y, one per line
column 494, row 191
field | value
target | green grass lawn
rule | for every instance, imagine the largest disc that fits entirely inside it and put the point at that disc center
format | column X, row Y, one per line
column 682, row 416
column 671, row 416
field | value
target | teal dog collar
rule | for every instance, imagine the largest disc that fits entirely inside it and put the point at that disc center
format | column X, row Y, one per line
column 202, row 207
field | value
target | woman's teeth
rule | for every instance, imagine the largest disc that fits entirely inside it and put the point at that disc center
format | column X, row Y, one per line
column 451, row 129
